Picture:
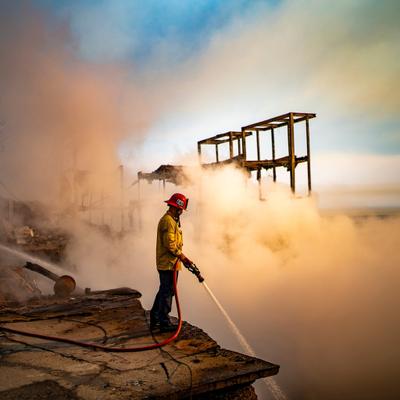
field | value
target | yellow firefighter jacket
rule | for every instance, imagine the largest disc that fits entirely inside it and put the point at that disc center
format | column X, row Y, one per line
column 169, row 243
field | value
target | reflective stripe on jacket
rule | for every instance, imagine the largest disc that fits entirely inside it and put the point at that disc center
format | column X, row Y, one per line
column 169, row 243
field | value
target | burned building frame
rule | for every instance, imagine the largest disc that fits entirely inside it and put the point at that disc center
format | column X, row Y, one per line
column 238, row 153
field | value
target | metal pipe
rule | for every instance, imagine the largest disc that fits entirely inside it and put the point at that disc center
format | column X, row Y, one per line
column 64, row 285
column 41, row 270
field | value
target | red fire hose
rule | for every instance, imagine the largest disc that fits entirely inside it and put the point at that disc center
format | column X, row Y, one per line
column 95, row 346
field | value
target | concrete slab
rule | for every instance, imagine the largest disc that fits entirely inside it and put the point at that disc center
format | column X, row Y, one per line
column 193, row 365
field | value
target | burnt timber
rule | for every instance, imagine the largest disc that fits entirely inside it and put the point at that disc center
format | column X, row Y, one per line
column 238, row 154
column 193, row 365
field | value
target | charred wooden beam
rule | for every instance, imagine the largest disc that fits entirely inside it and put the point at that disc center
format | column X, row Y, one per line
column 230, row 145
column 169, row 173
column 308, row 156
column 222, row 138
column 282, row 120
column 292, row 153
column 273, row 153
column 268, row 164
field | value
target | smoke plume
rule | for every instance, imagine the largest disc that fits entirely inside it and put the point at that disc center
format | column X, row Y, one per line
column 58, row 113
column 317, row 295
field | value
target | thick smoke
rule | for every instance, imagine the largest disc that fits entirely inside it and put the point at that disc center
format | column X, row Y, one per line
column 317, row 295
column 59, row 114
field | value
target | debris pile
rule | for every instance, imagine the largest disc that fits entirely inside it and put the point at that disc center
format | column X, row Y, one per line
column 193, row 365
column 16, row 285
column 50, row 244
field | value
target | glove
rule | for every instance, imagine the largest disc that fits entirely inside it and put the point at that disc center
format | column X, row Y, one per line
column 185, row 260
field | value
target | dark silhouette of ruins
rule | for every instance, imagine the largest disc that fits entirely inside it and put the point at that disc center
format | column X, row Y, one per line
column 239, row 155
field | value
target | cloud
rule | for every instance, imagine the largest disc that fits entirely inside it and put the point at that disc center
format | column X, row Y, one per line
column 356, row 169
column 341, row 62
column 132, row 31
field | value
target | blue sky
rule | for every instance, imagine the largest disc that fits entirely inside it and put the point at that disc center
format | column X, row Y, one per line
column 123, row 29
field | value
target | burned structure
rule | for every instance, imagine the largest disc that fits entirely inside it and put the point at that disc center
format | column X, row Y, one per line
column 289, row 161
column 239, row 154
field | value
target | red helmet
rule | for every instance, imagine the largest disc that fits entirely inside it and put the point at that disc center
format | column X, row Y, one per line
column 178, row 200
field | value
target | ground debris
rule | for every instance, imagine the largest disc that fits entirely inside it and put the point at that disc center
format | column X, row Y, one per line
column 194, row 364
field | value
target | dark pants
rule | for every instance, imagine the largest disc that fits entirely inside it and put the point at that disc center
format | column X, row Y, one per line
column 163, row 301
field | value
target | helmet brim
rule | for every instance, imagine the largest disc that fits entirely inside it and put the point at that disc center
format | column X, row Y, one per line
column 170, row 203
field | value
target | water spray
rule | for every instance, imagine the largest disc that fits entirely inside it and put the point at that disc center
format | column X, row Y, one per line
column 34, row 259
column 270, row 382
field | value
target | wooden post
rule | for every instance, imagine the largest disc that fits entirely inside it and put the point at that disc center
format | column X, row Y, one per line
column 308, row 156
column 230, row 145
column 239, row 147
column 273, row 153
column 216, row 153
column 244, row 145
column 258, row 155
column 199, row 151
column 258, row 145
column 292, row 156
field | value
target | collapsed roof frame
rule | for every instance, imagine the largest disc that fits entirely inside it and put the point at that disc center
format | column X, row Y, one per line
column 226, row 137
column 290, row 161
column 175, row 174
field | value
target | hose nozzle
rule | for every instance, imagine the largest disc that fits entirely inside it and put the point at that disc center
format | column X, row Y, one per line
column 194, row 270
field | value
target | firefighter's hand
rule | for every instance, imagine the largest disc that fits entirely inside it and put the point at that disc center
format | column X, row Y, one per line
column 185, row 260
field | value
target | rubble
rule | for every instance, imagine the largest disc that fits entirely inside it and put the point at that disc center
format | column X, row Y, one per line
column 168, row 173
column 16, row 285
column 27, row 226
column 194, row 365
column 49, row 244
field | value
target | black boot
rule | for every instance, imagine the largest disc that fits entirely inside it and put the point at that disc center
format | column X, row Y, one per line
column 154, row 324
column 168, row 327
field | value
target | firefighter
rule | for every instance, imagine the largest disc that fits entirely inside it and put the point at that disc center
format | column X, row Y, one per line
column 168, row 253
